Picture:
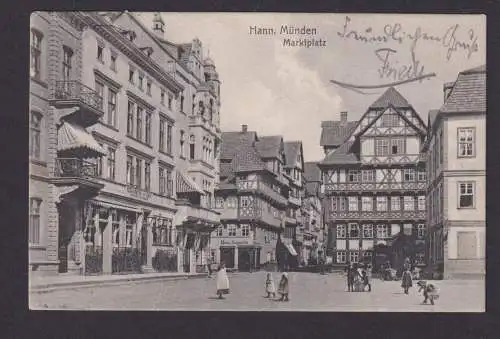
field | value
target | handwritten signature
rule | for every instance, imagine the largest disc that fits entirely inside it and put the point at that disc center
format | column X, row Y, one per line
column 395, row 32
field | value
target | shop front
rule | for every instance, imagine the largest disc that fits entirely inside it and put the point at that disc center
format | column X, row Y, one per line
column 240, row 254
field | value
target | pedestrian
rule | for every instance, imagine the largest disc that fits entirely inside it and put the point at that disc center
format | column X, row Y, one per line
column 349, row 274
column 283, row 287
column 358, row 279
column 431, row 292
column 367, row 277
column 406, row 281
column 209, row 267
column 270, row 288
column 222, row 281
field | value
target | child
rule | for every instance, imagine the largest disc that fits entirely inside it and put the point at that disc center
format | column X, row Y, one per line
column 430, row 291
column 406, row 281
column 222, row 281
column 283, row 287
column 366, row 282
column 270, row 289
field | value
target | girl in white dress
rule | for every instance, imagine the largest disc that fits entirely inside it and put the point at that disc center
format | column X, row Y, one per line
column 222, row 281
column 270, row 288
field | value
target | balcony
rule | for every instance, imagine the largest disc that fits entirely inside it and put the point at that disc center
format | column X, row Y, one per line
column 198, row 120
column 73, row 94
column 297, row 201
column 261, row 187
column 76, row 172
column 196, row 216
column 399, row 159
column 375, row 186
column 268, row 218
column 378, row 215
column 138, row 192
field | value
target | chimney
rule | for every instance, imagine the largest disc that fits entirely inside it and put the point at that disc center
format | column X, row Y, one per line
column 244, row 128
column 447, row 87
column 343, row 116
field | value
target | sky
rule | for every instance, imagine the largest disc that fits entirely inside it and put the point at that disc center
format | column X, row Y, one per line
column 283, row 90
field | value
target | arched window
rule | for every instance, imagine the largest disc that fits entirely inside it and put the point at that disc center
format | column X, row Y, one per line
column 201, row 108
column 191, row 147
column 211, row 110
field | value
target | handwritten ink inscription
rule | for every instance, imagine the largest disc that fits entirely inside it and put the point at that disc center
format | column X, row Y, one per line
column 452, row 40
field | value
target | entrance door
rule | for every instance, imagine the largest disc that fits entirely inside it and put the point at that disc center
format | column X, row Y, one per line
column 244, row 259
column 187, row 260
column 64, row 236
column 466, row 245
column 227, row 256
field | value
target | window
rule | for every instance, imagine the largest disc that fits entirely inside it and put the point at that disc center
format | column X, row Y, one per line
column 147, row 176
column 138, row 131
column 466, row 195
column 381, row 147
column 141, row 81
column 115, row 228
column 367, row 231
column 191, row 147
column 148, row 87
column 245, row 230
column 367, row 176
column 34, row 225
column 397, row 146
column 130, row 170
column 111, row 163
column 100, row 53
column 35, row 133
column 382, row 231
column 353, row 203
column 353, row 176
column 113, row 61
column 219, row 230
column 138, row 172
column 67, row 62
column 219, row 202
column 408, row 203
column 165, row 182
column 131, row 75
column 163, row 232
column 421, row 203
column 341, row 231
column 148, row 128
column 381, row 203
column 36, row 54
column 231, row 230
column 354, row 257
column 162, row 97
column 111, row 107
column 395, row 203
column 99, row 163
column 341, row 257
column 421, row 175
column 231, row 202
column 407, row 229
column 162, row 136
column 99, row 88
column 421, row 230
column 170, row 101
column 182, row 144
column 367, row 203
column 409, row 174
column 130, row 221
column 466, row 142
column 169, row 138
column 182, row 103
column 245, row 202
column 130, row 118
column 353, row 230
column 441, row 146
column 390, row 120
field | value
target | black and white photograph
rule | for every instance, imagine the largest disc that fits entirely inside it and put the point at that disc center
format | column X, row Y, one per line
column 183, row 161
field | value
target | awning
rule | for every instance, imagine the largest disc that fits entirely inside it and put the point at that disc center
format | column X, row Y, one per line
column 291, row 249
column 114, row 205
column 75, row 138
column 184, row 184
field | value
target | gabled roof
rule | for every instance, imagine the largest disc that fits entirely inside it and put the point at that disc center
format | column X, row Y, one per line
column 312, row 172
column 341, row 155
column 269, row 146
column 247, row 159
column 390, row 97
column 292, row 149
column 334, row 133
column 231, row 140
column 469, row 92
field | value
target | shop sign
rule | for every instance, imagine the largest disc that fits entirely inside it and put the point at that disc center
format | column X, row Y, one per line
column 234, row 242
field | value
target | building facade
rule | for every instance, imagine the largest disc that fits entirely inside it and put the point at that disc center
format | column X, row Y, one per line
column 253, row 199
column 132, row 186
column 455, row 150
column 374, row 184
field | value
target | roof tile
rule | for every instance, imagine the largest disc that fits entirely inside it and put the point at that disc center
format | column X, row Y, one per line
column 390, row 97
column 334, row 133
column 469, row 93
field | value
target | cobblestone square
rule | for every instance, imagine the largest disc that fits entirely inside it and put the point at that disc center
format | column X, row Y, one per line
column 308, row 292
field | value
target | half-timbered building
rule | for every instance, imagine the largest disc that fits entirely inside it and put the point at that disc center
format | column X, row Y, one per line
column 374, row 183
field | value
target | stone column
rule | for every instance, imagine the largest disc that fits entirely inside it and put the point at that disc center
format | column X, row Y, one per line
column 107, row 247
column 236, row 257
column 148, row 268
column 180, row 261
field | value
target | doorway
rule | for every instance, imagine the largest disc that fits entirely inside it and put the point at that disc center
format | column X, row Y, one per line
column 227, row 256
column 244, row 260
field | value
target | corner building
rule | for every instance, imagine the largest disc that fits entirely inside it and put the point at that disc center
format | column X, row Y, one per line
column 133, row 132
column 455, row 150
column 374, row 184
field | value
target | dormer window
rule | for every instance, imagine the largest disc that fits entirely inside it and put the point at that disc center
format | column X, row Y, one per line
column 148, row 51
column 130, row 35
